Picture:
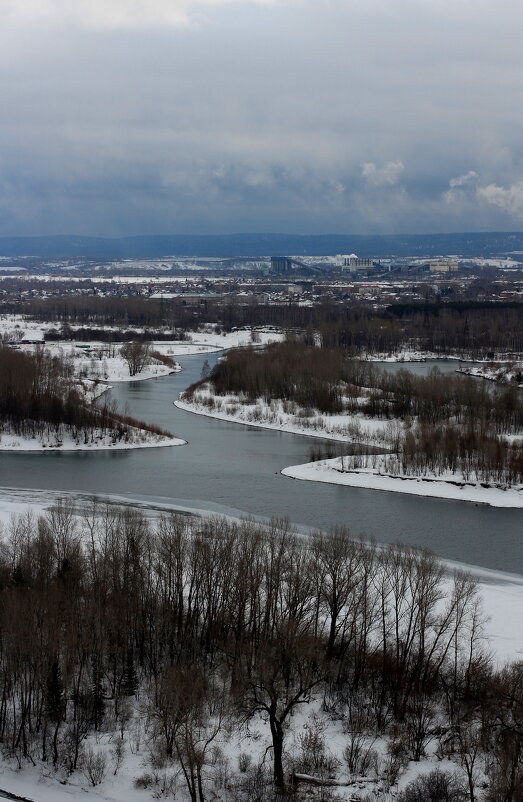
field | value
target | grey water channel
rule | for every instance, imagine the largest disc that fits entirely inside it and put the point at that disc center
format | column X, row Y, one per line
column 233, row 469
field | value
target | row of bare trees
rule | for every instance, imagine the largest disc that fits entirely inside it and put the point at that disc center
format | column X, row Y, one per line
column 468, row 328
column 291, row 371
column 217, row 622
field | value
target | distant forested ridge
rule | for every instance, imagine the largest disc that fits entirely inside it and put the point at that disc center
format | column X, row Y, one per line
column 256, row 245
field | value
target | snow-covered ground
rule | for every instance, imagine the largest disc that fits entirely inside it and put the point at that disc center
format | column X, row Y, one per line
column 447, row 485
column 98, row 361
column 38, row 783
column 96, row 365
column 413, row 355
column 210, row 340
column 18, row 327
column 206, row 339
column 491, row 261
column 115, row 368
column 353, row 427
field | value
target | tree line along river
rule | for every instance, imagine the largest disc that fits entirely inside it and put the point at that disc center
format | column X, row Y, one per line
column 234, row 469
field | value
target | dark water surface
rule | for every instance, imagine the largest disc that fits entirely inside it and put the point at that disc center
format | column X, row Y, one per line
column 236, row 469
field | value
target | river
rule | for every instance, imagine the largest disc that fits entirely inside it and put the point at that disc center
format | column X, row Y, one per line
column 233, row 469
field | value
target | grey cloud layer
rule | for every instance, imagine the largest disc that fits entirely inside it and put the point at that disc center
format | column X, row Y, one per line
column 290, row 115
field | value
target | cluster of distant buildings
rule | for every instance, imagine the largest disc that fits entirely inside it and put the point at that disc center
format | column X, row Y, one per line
column 354, row 264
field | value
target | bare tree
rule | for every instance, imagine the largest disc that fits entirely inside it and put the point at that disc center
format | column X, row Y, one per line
column 286, row 670
column 136, row 354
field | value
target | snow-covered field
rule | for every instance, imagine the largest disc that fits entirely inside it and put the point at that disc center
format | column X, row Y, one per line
column 97, row 362
column 413, row 355
column 206, row 339
column 447, row 485
column 210, row 340
column 115, row 369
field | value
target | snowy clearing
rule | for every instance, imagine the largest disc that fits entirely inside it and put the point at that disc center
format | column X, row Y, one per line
column 210, row 341
column 94, row 361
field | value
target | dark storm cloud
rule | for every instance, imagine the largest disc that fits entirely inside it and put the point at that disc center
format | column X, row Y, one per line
column 291, row 115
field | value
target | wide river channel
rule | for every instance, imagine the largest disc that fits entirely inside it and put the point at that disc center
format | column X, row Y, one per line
column 234, row 469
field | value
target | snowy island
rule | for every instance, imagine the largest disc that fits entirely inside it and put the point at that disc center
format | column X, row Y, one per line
column 439, row 435
column 54, row 401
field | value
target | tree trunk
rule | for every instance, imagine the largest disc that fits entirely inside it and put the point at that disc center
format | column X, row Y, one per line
column 277, row 745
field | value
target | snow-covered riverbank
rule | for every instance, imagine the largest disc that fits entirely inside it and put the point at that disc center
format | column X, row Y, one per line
column 276, row 415
column 137, row 438
column 502, row 373
column 446, row 486
column 409, row 355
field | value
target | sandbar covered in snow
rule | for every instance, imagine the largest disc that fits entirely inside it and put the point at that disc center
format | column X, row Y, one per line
column 447, row 485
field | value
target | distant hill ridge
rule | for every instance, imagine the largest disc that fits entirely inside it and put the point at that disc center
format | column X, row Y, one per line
column 256, row 245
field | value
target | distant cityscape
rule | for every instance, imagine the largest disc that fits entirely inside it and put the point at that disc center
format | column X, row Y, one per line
column 304, row 280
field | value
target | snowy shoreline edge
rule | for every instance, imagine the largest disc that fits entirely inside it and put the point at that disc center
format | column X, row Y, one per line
column 447, row 489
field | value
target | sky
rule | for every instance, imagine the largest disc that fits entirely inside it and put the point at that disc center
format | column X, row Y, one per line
column 122, row 117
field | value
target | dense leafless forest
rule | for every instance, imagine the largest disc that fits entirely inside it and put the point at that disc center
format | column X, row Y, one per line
column 179, row 632
column 450, row 422
column 469, row 328
column 38, row 398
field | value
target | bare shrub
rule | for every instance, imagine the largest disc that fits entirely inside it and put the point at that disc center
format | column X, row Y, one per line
column 256, row 786
column 438, row 786
column 359, row 755
column 244, row 762
column 314, row 756
column 94, row 766
column 118, row 753
column 397, row 759
column 144, row 781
